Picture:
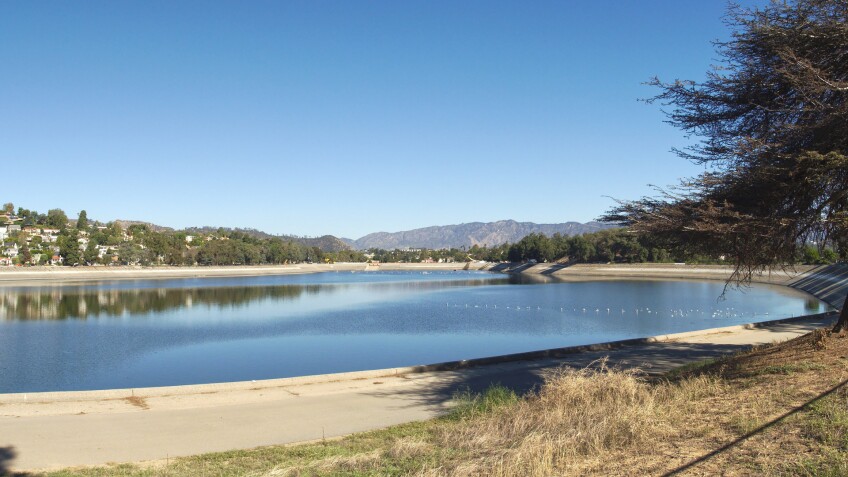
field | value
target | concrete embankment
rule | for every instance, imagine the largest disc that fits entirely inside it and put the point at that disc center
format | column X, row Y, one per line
column 829, row 283
column 18, row 275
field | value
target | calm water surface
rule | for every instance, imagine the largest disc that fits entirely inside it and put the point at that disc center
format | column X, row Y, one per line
column 123, row 334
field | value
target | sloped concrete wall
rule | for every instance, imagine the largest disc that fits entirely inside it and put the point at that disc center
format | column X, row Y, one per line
column 827, row 282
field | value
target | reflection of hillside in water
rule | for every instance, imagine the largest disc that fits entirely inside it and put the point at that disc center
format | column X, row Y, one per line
column 60, row 303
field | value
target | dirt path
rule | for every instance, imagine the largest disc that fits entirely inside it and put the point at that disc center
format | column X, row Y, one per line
column 50, row 430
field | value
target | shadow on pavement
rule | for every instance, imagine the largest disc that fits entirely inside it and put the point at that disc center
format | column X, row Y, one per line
column 528, row 376
column 7, row 455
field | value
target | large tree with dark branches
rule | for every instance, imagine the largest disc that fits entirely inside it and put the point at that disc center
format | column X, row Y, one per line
column 772, row 118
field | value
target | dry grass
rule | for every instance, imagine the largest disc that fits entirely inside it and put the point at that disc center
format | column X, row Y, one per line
column 577, row 417
column 769, row 411
column 137, row 401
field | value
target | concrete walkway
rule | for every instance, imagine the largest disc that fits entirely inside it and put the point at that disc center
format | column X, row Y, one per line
column 52, row 430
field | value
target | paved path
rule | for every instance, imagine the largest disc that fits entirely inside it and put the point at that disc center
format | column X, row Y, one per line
column 52, row 430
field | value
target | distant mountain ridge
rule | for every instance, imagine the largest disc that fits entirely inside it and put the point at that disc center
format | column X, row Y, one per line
column 436, row 237
column 474, row 233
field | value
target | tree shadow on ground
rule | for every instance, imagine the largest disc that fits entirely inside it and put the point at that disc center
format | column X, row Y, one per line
column 759, row 430
column 526, row 375
column 7, row 455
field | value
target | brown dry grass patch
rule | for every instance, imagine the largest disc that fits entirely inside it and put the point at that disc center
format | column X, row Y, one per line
column 137, row 401
column 726, row 418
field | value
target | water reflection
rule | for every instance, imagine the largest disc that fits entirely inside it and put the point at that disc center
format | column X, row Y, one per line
column 157, row 333
column 60, row 303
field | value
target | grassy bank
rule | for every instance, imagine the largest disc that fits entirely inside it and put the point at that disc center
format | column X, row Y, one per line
column 776, row 410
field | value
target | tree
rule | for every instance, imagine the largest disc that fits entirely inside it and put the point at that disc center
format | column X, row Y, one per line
column 26, row 255
column 129, row 253
column 57, row 218
column 9, row 208
column 773, row 118
column 91, row 253
column 114, row 234
column 82, row 221
column 68, row 243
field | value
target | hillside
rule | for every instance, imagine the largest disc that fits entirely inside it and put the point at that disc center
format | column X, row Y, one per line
column 327, row 243
column 474, row 233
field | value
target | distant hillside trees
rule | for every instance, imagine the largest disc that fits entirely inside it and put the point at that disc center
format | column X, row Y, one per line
column 56, row 218
column 68, row 243
column 614, row 245
column 82, row 221
column 623, row 246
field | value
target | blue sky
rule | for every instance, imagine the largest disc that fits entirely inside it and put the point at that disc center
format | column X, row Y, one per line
column 343, row 118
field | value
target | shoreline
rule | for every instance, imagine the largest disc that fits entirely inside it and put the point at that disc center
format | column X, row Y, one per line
column 43, row 397
column 828, row 283
column 52, row 276
column 13, row 276
column 83, row 428
column 50, row 430
column 48, row 274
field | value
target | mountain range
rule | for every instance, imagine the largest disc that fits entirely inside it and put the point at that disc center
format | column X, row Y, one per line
column 443, row 236
column 466, row 235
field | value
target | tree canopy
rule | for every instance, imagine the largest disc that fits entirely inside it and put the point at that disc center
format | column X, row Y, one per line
column 772, row 118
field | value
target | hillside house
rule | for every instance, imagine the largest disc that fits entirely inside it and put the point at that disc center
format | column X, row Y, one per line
column 10, row 249
column 49, row 235
column 103, row 250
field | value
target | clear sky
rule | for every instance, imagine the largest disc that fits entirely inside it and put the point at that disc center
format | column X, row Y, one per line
column 346, row 117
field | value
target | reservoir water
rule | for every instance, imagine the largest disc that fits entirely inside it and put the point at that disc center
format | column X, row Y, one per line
column 122, row 334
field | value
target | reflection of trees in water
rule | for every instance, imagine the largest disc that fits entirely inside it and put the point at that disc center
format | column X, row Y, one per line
column 64, row 303
column 812, row 305
column 59, row 304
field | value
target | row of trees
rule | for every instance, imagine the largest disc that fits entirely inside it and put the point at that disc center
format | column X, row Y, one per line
column 54, row 218
column 613, row 245
column 625, row 246
column 224, row 247
column 143, row 245
column 140, row 244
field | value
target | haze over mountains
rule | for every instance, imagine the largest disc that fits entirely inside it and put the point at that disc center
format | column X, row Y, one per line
column 467, row 235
